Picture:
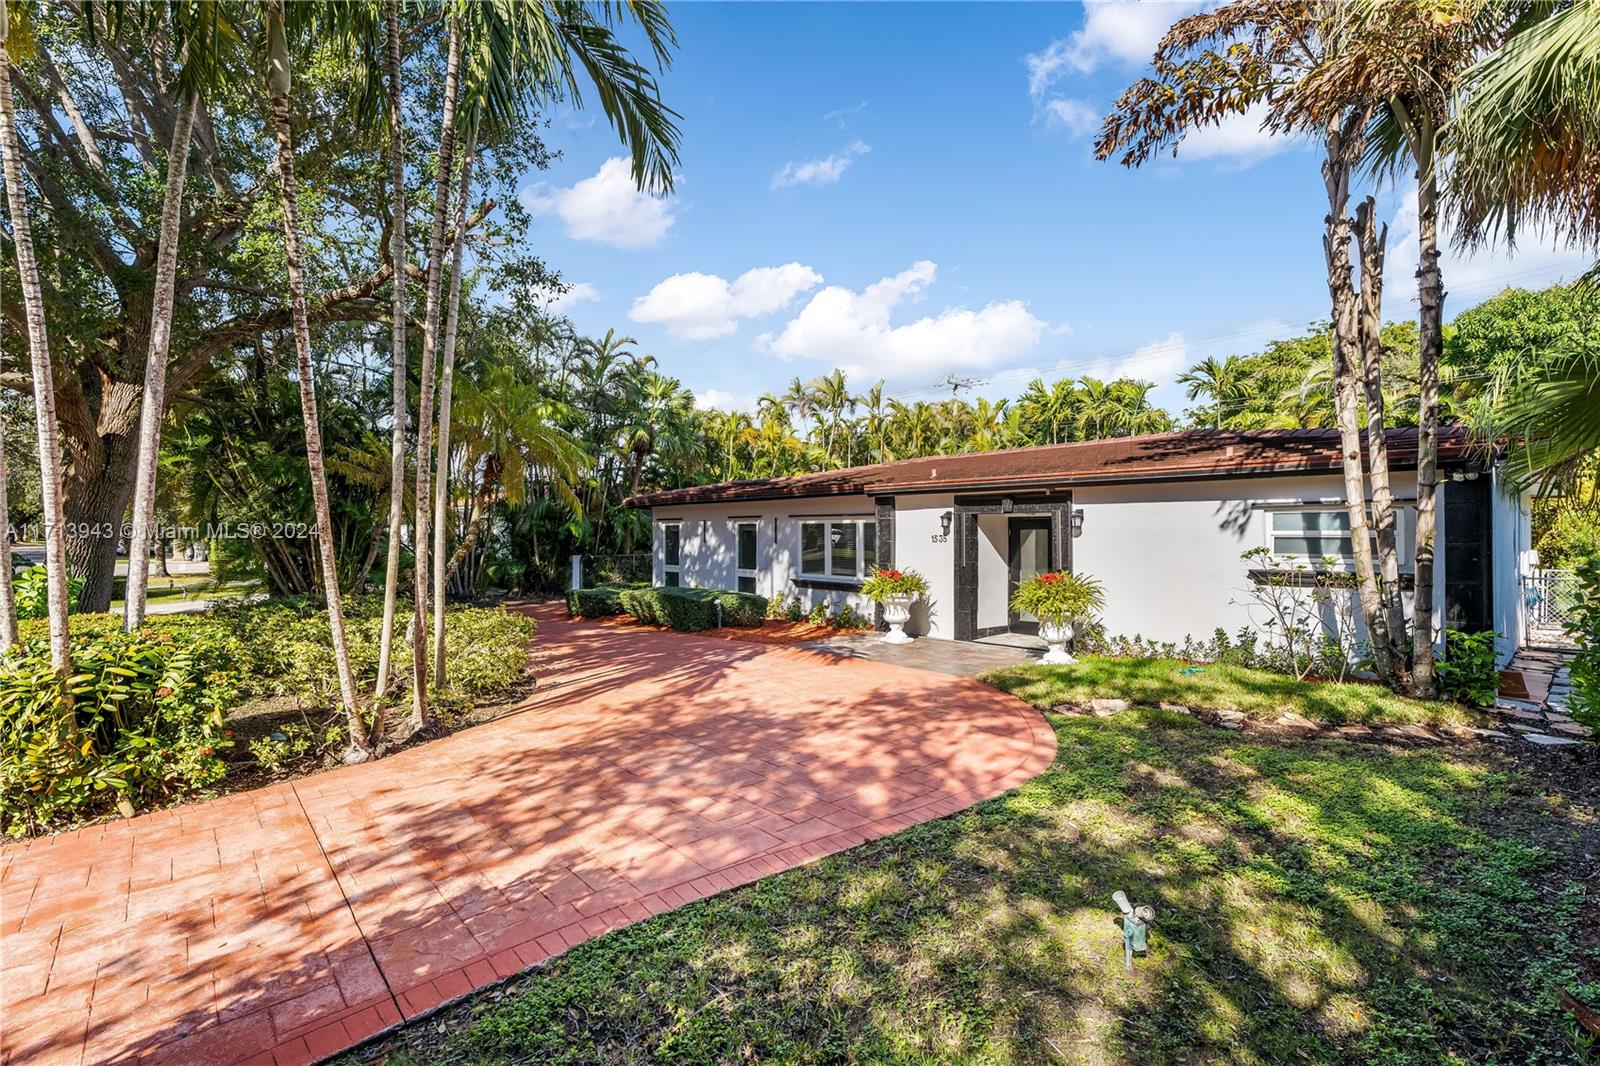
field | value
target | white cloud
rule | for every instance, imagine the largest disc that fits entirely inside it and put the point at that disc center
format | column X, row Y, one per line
column 1238, row 139
column 852, row 330
column 1114, row 31
column 1470, row 278
column 1079, row 118
column 722, row 400
column 607, row 208
column 697, row 307
column 578, row 292
column 820, row 171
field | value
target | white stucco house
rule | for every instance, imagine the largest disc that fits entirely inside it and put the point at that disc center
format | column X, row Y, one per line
column 1160, row 520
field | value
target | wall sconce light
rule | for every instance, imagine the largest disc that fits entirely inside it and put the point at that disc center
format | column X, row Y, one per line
column 944, row 521
column 1077, row 522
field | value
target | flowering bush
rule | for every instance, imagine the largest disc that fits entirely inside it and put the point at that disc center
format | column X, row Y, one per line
column 885, row 584
column 1058, row 596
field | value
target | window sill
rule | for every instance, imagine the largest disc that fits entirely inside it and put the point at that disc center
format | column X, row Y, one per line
column 836, row 583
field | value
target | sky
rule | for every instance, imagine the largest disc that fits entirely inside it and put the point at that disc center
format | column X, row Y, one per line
column 908, row 191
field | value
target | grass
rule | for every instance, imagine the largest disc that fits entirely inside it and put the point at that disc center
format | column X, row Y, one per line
column 1217, row 686
column 1315, row 902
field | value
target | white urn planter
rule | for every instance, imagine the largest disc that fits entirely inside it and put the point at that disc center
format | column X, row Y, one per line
column 896, row 613
column 1056, row 634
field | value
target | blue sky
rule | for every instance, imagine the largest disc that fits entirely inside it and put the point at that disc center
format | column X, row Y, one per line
column 908, row 191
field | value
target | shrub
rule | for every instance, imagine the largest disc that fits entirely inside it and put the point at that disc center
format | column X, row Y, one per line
column 486, row 648
column 1584, row 626
column 32, row 591
column 1058, row 596
column 141, row 720
column 595, row 603
column 693, row 610
column 850, row 618
column 1467, row 672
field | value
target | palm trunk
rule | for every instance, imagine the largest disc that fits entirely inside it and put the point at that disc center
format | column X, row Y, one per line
column 278, row 91
column 441, row 499
column 1344, row 149
column 154, row 403
column 44, row 396
column 1370, row 239
column 421, row 716
column 8, row 598
column 1430, row 346
column 480, row 513
column 397, row 347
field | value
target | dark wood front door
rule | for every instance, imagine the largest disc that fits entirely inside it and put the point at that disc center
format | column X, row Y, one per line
column 1029, row 555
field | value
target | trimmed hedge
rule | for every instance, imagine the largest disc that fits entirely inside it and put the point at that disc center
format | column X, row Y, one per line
column 595, row 603
column 693, row 610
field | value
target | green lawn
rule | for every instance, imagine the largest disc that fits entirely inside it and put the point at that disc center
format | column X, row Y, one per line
column 1316, row 902
column 1259, row 693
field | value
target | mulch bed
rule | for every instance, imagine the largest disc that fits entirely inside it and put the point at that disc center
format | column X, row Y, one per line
column 771, row 631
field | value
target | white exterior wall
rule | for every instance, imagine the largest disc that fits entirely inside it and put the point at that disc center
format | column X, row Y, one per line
column 709, row 545
column 1511, row 542
column 921, row 544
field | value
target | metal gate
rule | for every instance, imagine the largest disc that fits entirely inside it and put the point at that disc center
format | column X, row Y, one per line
column 1550, row 598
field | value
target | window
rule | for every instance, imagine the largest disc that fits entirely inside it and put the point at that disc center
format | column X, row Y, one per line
column 847, row 549
column 1311, row 535
column 747, row 556
column 672, row 554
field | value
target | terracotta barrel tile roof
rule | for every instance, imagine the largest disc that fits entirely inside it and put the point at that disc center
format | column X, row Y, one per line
column 1194, row 453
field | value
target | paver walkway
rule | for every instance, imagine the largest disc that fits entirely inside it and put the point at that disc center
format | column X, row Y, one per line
column 649, row 770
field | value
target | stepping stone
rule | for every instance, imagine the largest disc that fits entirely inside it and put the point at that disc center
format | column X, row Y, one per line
column 1506, row 705
column 1411, row 732
column 1521, row 728
column 1513, row 712
column 1491, row 734
column 1175, row 708
column 1547, row 741
column 1571, row 729
column 1354, row 732
column 1294, row 721
column 1105, row 707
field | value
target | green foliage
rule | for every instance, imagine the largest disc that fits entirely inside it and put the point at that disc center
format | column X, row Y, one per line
column 850, row 618
column 691, row 610
column 1467, row 673
column 32, row 589
column 886, row 583
column 141, row 721
column 1584, row 626
column 595, row 603
column 1059, row 596
column 1567, row 528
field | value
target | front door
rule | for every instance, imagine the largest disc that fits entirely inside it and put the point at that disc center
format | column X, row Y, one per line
column 1029, row 556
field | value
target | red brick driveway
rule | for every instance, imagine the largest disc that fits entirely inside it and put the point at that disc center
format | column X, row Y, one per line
column 650, row 769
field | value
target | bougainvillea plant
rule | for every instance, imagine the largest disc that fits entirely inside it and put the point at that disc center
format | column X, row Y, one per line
column 885, row 584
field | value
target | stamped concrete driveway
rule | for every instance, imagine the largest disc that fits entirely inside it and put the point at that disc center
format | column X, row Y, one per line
column 649, row 770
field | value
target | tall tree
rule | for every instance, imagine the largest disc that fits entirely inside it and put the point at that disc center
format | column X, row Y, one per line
column 397, row 338
column 55, row 543
column 8, row 599
column 278, row 87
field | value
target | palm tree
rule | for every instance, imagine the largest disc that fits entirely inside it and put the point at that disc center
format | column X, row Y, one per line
column 44, row 397
column 397, row 340
column 278, row 85
column 831, row 394
column 8, row 599
column 1222, row 382
column 197, row 32
column 441, row 502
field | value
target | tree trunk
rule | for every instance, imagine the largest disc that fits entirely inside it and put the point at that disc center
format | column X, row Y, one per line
column 154, row 401
column 441, row 500
column 492, row 466
column 361, row 746
column 1370, row 240
column 397, row 346
column 1430, row 346
column 44, row 394
column 1344, row 149
column 421, row 716
column 8, row 598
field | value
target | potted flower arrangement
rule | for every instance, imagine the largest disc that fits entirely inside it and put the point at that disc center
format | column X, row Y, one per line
column 895, row 590
column 1057, row 599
